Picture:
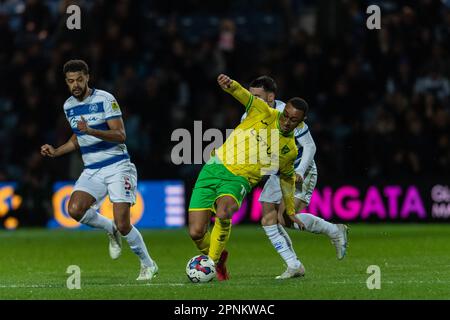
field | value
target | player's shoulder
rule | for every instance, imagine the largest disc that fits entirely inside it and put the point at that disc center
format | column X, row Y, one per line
column 301, row 129
column 261, row 105
column 279, row 105
column 70, row 102
column 98, row 93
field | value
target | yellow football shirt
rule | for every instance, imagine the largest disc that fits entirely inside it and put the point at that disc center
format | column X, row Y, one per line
column 258, row 147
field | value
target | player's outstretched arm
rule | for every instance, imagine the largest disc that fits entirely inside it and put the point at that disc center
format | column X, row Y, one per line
column 71, row 145
column 235, row 89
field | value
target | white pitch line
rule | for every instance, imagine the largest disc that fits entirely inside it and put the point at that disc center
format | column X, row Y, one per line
column 47, row 286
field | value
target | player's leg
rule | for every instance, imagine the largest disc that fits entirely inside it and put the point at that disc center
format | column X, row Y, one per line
column 270, row 199
column 226, row 205
column 231, row 191
column 281, row 241
column 121, row 180
column 134, row 238
column 201, row 205
column 198, row 222
column 311, row 223
column 89, row 190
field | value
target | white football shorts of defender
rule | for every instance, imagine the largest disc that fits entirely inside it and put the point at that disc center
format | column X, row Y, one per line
column 272, row 191
column 107, row 165
column 118, row 180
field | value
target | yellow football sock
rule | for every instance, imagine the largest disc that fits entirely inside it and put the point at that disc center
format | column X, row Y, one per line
column 203, row 243
column 219, row 238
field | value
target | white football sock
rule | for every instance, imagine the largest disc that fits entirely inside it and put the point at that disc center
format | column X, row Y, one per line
column 137, row 245
column 283, row 244
column 317, row 225
column 96, row 220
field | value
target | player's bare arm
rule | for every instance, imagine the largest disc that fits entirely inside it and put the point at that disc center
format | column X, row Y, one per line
column 71, row 145
column 116, row 132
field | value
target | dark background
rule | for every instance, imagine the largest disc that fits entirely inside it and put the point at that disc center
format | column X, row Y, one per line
column 379, row 99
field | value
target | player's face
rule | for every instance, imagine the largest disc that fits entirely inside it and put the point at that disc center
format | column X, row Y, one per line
column 77, row 83
column 290, row 118
column 268, row 97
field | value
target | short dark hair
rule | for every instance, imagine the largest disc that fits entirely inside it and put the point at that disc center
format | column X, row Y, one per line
column 265, row 82
column 75, row 66
column 299, row 104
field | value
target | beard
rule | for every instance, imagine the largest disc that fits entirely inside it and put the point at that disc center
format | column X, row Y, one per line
column 80, row 93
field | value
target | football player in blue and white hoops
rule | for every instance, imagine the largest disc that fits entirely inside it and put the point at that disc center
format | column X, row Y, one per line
column 99, row 133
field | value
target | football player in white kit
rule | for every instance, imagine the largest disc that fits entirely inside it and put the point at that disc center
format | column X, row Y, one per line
column 99, row 133
column 273, row 220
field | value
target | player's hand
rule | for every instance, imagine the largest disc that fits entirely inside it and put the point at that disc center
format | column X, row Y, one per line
column 297, row 221
column 48, row 151
column 298, row 178
column 224, row 81
column 83, row 126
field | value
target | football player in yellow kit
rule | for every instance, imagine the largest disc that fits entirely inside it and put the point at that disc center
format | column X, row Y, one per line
column 262, row 144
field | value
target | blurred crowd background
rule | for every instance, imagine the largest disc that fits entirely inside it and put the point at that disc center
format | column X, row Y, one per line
column 379, row 99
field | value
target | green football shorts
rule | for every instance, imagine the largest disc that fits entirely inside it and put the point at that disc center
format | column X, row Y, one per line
column 215, row 181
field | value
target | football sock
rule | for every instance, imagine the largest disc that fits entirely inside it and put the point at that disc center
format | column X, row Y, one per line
column 96, row 220
column 317, row 225
column 219, row 238
column 203, row 243
column 137, row 245
column 283, row 244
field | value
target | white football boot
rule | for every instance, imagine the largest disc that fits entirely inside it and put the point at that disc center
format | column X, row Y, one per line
column 292, row 273
column 340, row 241
column 148, row 273
column 115, row 243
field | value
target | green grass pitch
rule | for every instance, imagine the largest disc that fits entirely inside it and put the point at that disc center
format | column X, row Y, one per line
column 414, row 261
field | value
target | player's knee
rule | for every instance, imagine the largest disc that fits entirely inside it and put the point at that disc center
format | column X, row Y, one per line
column 282, row 222
column 76, row 211
column 269, row 219
column 124, row 227
column 225, row 212
column 196, row 232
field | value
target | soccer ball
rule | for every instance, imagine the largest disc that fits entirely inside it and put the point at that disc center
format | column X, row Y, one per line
column 200, row 269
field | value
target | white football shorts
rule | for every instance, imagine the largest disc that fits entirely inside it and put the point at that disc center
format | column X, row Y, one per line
column 118, row 180
column 272, row 190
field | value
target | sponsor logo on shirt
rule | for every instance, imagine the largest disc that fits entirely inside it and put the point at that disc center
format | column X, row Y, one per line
column 115, row 106
column 285, row 150
column 93, row 108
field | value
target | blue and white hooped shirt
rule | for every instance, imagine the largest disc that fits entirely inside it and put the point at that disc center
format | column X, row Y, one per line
column 96, row 109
